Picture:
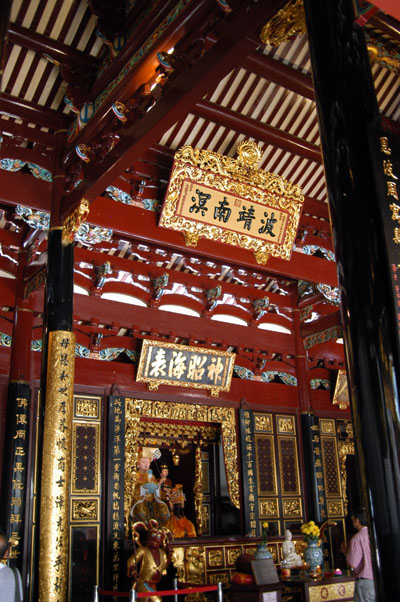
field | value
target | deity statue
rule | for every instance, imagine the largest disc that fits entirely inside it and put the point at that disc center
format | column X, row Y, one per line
column 147, row 503
column 150, row 560
column 178, row 524
column 290, row 557
column 165, row 483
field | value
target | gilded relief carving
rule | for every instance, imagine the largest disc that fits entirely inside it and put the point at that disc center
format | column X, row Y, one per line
column 195, row 564
column 232, row 554
column 335, row 508
column 87, row 407
column 222, row 577
column 269, row 508
column 345, row 448
column 327, row 426
column 140, row 408
column 215, row 558
column 263, row 422
column 84, row 510
column 286, row 425
column 292, row 508
column 288, row 22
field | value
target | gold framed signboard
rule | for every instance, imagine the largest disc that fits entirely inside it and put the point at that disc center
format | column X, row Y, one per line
column 169, row 364
column 232, row 201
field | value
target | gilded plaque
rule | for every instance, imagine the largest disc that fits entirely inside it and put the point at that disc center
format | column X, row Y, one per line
column 232, row 201
column 179, row 365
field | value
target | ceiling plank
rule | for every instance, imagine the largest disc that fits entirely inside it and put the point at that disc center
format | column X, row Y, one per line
column 66, row 55
column 255, row 129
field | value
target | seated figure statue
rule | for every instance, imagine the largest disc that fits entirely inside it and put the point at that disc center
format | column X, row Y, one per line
column 178, row 524
column 147, row 503
column 290, row 558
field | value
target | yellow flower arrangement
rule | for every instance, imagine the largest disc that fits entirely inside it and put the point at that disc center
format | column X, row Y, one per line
column 264, row 532
column 310, row 531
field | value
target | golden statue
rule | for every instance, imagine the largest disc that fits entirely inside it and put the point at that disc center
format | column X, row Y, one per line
column 147, row 503
column 149, row 561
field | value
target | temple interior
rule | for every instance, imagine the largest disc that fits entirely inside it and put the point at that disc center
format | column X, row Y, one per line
column 199, row 298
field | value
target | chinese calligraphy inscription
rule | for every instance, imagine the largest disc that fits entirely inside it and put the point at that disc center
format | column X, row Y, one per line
column 166, row 363
column 232, row 201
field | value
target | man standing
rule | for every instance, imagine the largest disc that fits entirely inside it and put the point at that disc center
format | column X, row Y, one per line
column 358, row 557
column 10, row 579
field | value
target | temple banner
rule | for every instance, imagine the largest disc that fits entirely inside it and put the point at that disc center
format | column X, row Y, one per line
column 232, row 201
column 169, row 364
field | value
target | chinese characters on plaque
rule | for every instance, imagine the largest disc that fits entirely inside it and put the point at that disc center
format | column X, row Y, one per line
column 169, row 364
column 115, row 510
column 232, row 201
column 385, row 148
column 249, row 472
column 56, row 466
column 18, row 477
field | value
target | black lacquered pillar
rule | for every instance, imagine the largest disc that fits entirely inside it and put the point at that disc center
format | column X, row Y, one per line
column 346, row 104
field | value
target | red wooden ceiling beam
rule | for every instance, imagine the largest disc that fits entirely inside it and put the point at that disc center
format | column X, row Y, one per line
column 44, row 45
column 18, row 131
column 321, row 324
column 257, row 130
column 189, row 280
column 141, row 225
column 31, row 113
column 316, row 208
column 143, row 319
column 184, row 92
column 10, row 239
column 281, row 74
column 24, row 189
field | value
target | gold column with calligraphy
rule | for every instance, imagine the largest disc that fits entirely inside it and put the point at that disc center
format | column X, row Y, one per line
column 54, row 505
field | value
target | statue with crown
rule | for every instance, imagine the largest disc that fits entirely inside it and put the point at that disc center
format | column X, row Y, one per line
column 147, row 502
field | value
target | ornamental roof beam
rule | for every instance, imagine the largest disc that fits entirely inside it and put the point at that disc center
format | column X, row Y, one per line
column 185, row 90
